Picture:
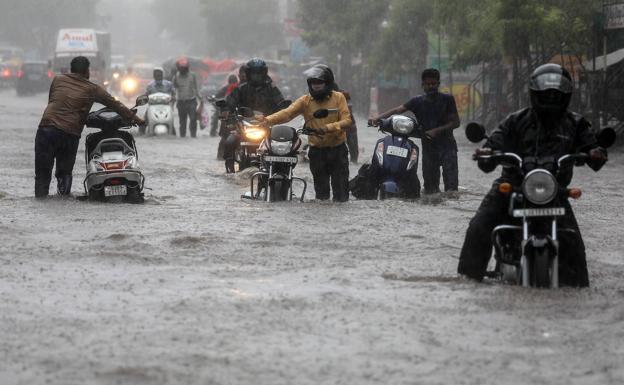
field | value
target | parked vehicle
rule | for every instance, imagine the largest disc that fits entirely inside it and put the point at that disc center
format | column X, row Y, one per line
column 33, row 77
column 112, row 159
column 8, row 74
column 527, row 252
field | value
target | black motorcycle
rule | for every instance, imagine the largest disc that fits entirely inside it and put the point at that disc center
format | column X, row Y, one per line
column 527, row 254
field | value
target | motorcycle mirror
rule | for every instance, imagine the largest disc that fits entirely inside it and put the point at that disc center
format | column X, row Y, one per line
column 284, row 104
column 141, row 100
column 246, row 112
column 606, row 137
column 221, row 103
column 475, row 132
column 320, row 114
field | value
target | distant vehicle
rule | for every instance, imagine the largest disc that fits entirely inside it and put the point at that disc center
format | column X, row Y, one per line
column 135, row 83
column 7, row 75
column 33, row 77
column 95, row 45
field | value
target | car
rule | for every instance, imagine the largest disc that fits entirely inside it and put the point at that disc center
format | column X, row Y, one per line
column 33, row 77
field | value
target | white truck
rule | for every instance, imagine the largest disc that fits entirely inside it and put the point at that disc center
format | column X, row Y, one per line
column 95, row 45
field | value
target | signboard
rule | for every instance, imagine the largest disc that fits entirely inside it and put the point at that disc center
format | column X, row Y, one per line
column 76, row 40
column 466, row 98
column 614, row 14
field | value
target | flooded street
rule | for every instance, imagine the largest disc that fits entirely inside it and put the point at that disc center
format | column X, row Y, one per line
column 198, row 286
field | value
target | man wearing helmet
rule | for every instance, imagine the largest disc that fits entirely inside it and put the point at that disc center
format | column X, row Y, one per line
column 256, row 92
column 546, row 129
column 187, row 90
column 329, row 156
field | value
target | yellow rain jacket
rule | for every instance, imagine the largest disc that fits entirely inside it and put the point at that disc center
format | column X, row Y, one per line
column 333, row 126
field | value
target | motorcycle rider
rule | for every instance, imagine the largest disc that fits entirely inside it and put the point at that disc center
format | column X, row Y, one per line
column 437, row 113
column 546, row 128
column 187, row 91
column 329, row 156
column 224, row 92
column 71, row 98
column 258, row 94
column 159, row 84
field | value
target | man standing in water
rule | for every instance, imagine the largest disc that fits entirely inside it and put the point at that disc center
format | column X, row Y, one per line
column 71, row 98
column 437, row 113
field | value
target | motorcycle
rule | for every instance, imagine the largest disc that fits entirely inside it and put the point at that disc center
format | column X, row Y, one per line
column 111, row 158
column 159, row 115
column 393, row 169
column 278, row 158
column 528, row 254
column 249, row 131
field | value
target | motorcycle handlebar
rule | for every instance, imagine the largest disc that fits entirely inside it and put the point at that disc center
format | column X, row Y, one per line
column 508, row 159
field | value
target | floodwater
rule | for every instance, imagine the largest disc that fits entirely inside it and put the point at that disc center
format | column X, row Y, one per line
column 197, row 286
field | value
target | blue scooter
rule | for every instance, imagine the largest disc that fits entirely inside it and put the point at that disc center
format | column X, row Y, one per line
column 394, row 166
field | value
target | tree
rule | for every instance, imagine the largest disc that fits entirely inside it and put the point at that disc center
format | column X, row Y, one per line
column 242, row 27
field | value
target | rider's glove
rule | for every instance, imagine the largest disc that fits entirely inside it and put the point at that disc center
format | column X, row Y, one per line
column 597, row 158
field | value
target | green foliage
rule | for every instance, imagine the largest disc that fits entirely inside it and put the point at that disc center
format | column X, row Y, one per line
column 242, row 26
column 489, row 30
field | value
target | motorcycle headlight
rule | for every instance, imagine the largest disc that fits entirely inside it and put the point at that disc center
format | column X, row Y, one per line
column 254, row 134
column 539, row 187
column 280, row 148
column 129, row 85
column 402, row 124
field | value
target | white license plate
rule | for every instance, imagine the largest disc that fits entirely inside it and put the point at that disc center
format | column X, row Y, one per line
column 111, row 191
column 397, row 151
column 547, row 212
column 281, row 159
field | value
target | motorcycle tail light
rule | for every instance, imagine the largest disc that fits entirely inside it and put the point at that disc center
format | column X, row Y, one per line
column 115, row 182
column 505, row 188
column 50, row 74
column 575, row 193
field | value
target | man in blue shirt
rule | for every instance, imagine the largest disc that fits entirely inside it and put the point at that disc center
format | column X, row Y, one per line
column 436, row 112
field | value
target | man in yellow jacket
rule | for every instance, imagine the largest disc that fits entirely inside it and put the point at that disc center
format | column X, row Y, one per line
column 329, row 156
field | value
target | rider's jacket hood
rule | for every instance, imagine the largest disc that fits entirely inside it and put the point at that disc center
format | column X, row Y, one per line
column 70, row 101
column 336, row 123
column 527, row 136
column 264, row 99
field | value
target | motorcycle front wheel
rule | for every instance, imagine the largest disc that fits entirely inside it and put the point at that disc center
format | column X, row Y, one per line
column 541, row 268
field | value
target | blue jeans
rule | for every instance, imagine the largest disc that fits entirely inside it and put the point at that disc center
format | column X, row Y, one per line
column 53, row 144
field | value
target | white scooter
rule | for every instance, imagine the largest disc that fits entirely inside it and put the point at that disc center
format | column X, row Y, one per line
column 159, row 115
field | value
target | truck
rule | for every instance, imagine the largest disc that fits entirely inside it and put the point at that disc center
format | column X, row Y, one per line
column 95, row 45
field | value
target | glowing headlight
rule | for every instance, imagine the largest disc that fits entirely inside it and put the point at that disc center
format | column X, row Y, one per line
column 116, row 75
column 129, row 85
column 280, row 148
column 254, row 134
column 539, row 187
column 402, row 124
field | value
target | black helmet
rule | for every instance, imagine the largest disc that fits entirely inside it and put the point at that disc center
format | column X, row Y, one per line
column 551, row 88
column 320, row 72
column 257, row 71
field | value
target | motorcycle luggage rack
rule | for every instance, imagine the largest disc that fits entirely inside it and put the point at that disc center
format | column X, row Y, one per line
column 255, row 195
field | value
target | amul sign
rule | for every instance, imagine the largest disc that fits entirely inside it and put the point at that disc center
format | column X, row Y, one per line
column 76, row 40
column 614, row 14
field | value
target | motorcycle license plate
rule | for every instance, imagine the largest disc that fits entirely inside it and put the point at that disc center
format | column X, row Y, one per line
column 546, row 212
column 397, row 151
column 111, row 191
column 281, row 159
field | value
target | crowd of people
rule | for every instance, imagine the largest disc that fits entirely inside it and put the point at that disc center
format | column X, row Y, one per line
column 545, row 128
